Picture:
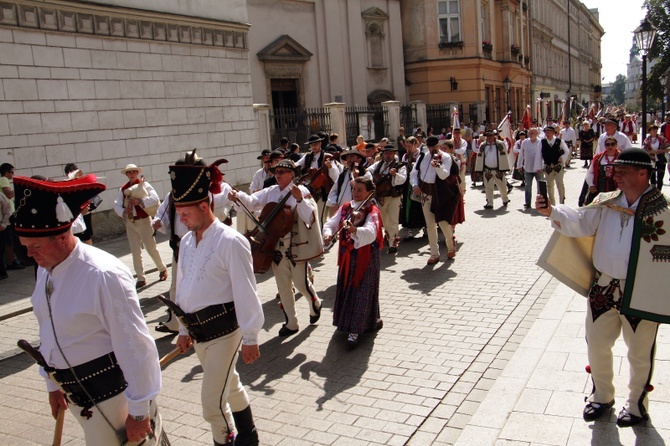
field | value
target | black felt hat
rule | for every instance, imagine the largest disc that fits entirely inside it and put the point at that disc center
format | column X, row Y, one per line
column 265, row 152
column 285, row 164
column 351, row 151
column 192, row 183
column 46, row 208
column 389, row 148
column 314, row 138
column 634, row 157
column 432, row 141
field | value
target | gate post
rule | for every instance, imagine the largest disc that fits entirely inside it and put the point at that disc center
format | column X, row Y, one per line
column 393, row 113
column 420, row 114
column 337, row 122
column 262, row 112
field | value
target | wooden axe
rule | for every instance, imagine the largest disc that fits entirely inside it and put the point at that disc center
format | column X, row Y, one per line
column 39, row 359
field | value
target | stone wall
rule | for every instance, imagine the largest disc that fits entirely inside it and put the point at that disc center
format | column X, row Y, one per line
column 144, row 93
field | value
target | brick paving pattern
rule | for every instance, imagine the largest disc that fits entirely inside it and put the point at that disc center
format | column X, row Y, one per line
column 449, row 333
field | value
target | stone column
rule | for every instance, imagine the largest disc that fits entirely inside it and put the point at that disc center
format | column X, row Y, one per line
column 262, row 113
column 338, row 124
column 420, row 113
column 393, row 112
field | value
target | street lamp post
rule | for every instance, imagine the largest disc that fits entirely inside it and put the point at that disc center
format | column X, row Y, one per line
column 644, row 36
column 507, row 83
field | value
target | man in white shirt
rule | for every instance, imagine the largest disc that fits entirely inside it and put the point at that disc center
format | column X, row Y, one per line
column 295, row 248
column 612, row 129
column 555, row 154
column 389, row 176
column 615, row 218
column 430, row 166
column 568, row 135
column 530, row 162
column 94, row 340
column 316, row 158
column 216, row 302
column 137, row 217
column 244, row 223
column 492, row 162
column 353, row 166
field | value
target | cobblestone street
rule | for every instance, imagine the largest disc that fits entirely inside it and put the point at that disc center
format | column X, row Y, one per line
column 449, row 333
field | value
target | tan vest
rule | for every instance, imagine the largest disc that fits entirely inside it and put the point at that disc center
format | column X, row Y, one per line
column 503, row 161
column 306, row 241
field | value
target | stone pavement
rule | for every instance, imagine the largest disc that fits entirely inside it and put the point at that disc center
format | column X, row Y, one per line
column 486, row 349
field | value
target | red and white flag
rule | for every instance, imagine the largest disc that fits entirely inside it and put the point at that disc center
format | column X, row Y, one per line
column 526, row 119
column 505, row 130
column 455, row 122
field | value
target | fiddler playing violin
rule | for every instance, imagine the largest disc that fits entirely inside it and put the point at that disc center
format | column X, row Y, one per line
column 359, row 224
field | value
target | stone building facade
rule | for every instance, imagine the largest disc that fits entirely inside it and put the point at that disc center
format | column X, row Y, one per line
column 307, row 53
column 461, row 51
column 104, row 84
column 566, row 57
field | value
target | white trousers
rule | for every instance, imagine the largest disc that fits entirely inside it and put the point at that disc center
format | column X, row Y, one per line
column 490, row 183
column 221, row 393
column 431, row 229
column 390, row 211
column 641, row 343
column 556, row 178
column 140, row 233
column 286, row 276
column 99, row 433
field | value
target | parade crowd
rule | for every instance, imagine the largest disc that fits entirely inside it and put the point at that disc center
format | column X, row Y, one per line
column 100, row 361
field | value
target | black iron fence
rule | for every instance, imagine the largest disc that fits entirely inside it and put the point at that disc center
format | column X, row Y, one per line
column 370, row 121
column 297, row 124
column 438, row 116
column 408, row 117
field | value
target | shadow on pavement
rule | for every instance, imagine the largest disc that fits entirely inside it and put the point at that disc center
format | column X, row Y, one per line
column 15, row 364
column 342, row 367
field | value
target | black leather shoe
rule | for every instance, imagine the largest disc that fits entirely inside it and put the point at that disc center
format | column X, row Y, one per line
column 505, row 203
column 314, row 319
column 488, row 206
column 627, row 419
column 140, row 283
column 593, row 411
column 285, row 331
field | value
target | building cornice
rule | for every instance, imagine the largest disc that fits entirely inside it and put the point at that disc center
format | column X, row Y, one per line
column 122, row 23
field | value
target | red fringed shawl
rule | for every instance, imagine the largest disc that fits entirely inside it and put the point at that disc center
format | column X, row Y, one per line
column 347, row 245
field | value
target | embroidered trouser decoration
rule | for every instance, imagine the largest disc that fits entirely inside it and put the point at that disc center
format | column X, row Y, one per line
column 604, row 325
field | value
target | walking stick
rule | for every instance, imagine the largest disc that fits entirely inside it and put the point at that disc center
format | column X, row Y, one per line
column 39, row 359
column 58, row 432
column 170, row 356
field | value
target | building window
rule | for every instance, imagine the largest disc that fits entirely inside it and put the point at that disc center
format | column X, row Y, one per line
column 449, row 19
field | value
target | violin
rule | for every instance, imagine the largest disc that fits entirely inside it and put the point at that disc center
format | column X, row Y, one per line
column 355, row 217
column 319, row 178
column 384, row 183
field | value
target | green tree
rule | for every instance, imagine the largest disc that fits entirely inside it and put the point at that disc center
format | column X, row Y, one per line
column 658, row 13
column 619, row 89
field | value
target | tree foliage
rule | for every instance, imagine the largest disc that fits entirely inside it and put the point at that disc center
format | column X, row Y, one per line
column 618, row 93
column 658, row 13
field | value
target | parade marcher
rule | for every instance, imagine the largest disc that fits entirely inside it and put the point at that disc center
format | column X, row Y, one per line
column 216, row 302
column 629, row 272
column 353, row 163
column 555, row 154
column 492, row 163
column 517, row 173
column 430, row 167
column 137, row 215
column 389, row 175
column 461, row 153
column 93, row 336
column 356, row 308
column 629, row 128
column 401, row 142
column 294, row 152
column 459, row 211
column 283, row 146
column 612, row 129
column 294, row 249
column 274, row 158
column 657, row 146
column 530, row 163
column 244, row 223
column 475, row 176
column 600, row 176
column 411, row 214
column 317, row 159
column 568, row 135
column 167, row 221
column 586, row 142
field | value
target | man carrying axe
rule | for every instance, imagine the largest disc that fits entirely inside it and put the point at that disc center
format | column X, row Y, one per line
column 98, row 357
